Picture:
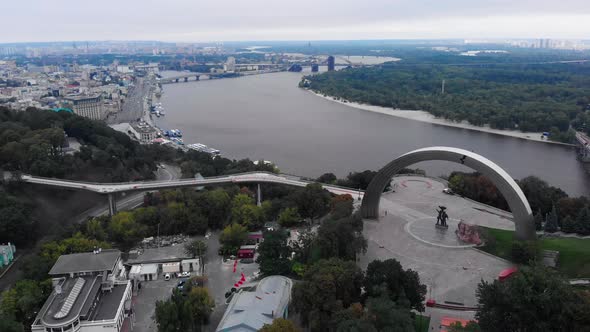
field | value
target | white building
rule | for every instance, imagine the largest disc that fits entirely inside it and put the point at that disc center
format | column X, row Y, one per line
column 144, row 272
column 230, row 65
column 251, row 310
column 90, row 294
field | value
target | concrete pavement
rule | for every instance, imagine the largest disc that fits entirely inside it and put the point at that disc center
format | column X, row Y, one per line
column 450, row 270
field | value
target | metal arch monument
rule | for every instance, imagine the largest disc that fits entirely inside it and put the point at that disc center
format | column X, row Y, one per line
column 521, row 210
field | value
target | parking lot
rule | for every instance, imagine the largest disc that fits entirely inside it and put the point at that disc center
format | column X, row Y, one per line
column 221, row 278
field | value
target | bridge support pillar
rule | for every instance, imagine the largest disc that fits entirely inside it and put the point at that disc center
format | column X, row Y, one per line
column 259, row 196
column 112, row 204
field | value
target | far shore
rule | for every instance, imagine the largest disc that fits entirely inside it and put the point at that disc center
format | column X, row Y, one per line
column 429, row 118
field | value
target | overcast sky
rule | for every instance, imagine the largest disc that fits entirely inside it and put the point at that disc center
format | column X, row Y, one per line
column 232, row 20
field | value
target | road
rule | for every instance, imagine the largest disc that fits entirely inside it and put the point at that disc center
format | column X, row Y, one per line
column 134, row 106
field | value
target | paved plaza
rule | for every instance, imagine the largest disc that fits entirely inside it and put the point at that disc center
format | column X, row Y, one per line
column 406, row 231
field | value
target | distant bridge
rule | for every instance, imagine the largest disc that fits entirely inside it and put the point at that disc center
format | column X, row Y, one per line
column 110, row 189
column 583, row 147
column 194, row 77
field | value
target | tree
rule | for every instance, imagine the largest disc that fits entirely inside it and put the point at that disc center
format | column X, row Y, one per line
column 387, row 316
column 583, row 221
column 342, row 206
column 167, row 316
column 552, row 222
column 340, row 238
column 195, row 248
column 524, row 252
column 327, row 287
column 280, row 325
column 274, row 253
column 245, row 213
column 184, row 313
column 201, row 305
column 388, row 278
column 24, row 300
column 16, row 223
column 380, row 314
column 328, row 178
column 198, row 249
column 216, row 207
column 124, row 230
column 289, row 217
column 569, row 225
column 8, row 324
column 539, row 220
column 539, row 194
column 232, row 237
column 95, row 229
column 534, row 299
column 313, row 201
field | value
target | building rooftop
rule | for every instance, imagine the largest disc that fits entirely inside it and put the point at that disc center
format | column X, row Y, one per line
column 81, row 97
column 109, row 303
column 250, row 310
column 159, row 255
column 86, row 262
column 71, row 296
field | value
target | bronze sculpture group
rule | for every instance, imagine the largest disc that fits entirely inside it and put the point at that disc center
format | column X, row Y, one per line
column 441, row 219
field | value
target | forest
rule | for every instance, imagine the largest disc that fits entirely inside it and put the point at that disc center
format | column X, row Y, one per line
column 528, row 97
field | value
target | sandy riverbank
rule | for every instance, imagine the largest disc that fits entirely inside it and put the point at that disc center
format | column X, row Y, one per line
column 429, row 118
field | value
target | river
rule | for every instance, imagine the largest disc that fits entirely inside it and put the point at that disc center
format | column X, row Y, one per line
column 269, row 117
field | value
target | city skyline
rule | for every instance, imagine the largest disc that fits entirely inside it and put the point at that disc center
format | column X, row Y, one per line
column 186, row 21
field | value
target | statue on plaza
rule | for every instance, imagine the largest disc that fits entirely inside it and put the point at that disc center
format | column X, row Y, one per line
column 441, row 219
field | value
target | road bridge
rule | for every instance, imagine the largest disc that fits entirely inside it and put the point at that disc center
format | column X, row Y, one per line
column 583, row 147
column 110, row 189
column 194, row 77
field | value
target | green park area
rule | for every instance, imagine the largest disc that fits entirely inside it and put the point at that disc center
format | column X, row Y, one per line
column 574, row 254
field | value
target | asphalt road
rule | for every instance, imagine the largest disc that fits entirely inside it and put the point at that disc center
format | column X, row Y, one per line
column 133, row 107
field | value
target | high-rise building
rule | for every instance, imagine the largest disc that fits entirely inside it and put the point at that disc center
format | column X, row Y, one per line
column 331, row 63
column 87, row 106
column 230, row 64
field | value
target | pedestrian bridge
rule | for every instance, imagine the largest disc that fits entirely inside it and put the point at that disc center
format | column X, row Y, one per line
column 122, row 187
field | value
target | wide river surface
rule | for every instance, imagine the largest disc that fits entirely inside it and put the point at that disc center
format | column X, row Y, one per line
column 269, row 117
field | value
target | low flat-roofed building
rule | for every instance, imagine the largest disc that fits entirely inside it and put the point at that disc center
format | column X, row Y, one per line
column 92, row 297
column 88, row 263
column 144, row 272
column 251, row 310
column 191, row 265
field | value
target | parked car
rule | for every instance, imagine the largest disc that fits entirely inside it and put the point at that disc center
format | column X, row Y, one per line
column 448, row 191
column 180, row 285
column 185, row 274
column 167, row 276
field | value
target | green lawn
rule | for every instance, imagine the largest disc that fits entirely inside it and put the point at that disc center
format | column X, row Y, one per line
column 421, row 323
column 574, row 254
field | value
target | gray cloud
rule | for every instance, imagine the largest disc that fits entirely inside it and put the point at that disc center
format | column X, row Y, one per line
column 205, row 20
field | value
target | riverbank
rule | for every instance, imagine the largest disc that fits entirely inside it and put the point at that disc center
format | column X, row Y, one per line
column 424, row 116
